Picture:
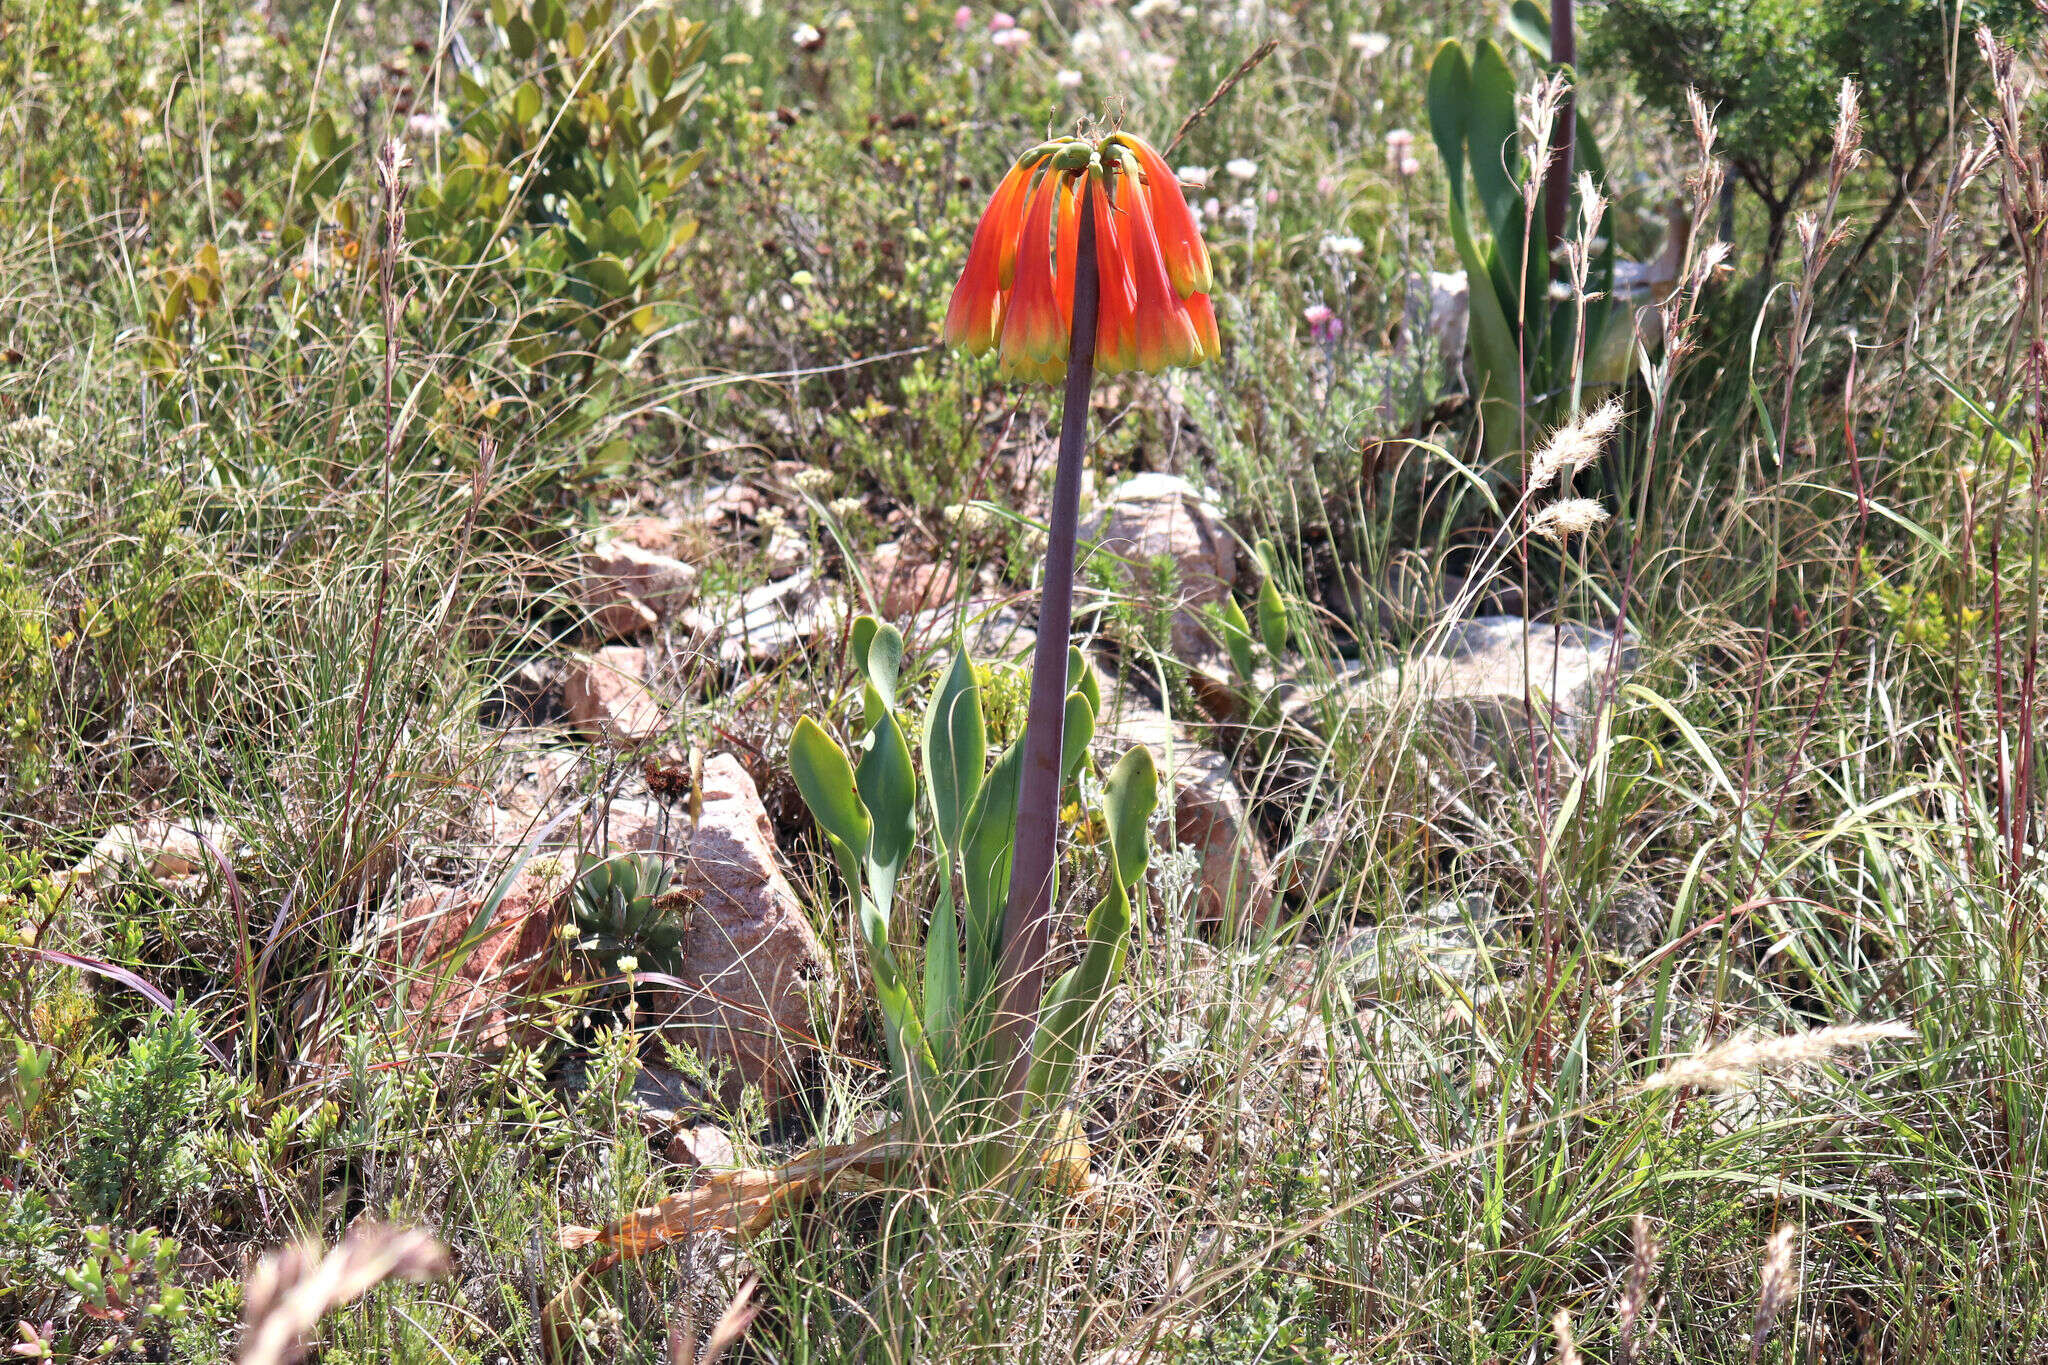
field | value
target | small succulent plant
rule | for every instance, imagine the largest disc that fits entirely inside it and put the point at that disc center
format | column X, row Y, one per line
column 617, row 914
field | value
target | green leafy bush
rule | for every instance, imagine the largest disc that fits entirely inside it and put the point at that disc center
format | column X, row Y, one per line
column 137, row 1139
column 1772, row 70
column 561, row 182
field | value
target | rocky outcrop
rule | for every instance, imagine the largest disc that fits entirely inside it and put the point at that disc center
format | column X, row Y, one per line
column 1468, row 689
column 1150, row 515
column 629, row 588
column 608, row 698
column 453, row 978
column 904, row 585
column 752, row 967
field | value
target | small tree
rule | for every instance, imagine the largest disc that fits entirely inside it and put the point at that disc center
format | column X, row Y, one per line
column 1771, row 71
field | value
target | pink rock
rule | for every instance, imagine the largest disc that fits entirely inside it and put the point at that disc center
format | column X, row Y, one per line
column 487, row 988
column 608, row 698
column 751, row 963
column 630, row 589
column 1235, row 886
column 903, row 587
column 649, row 533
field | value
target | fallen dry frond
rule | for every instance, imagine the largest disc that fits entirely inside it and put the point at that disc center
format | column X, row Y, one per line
column 293, row 1287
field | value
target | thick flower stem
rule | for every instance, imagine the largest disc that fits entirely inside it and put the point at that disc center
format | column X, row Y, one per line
column 1564, row 50
column 1027, row 919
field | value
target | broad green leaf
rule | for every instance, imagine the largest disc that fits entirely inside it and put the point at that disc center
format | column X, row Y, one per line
column 1450, row 110
column 519, row 36
column 1493, row 134
column 607, row 273
column 888, row 789
column 1128, row 801
column 1067, row 1019
column 1237, row 638
column 878, row 652
column 825, row 780
column 985, row 868
column 942, row 969
column 1272, row 617
column 525, row 103
column 955, row 748
column 1531, row 28
column 1081, row 678
column 1076, row 734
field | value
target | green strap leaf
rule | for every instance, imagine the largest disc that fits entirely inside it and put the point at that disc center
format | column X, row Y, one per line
column 1531, row 28
column 1494, row 137
column 955, row 749
column 878, row 652
column 1272, row 617
column 942, row 970
column 1081, row 678
column 985, row 868
column 1071, row 1011
column 825, row 779
column 1450, row 104
column 1237, row 638
column 1075, row 737
column 888, row 789
column 1129, row 799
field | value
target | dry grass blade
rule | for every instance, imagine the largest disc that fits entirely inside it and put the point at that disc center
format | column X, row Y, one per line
column 1736, row 1064
column 740, row 1202
column 1635, row 1290
column 732, row 1324
column 1780, row 1283
column 294, row 1287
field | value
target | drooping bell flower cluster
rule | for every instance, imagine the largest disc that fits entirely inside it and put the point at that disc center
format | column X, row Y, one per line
column 1016, row 294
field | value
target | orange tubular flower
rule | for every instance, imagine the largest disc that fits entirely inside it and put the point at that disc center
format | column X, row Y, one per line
column 1015, row 295
column 974, row 320
column 1187, row 257
column 1034, row 342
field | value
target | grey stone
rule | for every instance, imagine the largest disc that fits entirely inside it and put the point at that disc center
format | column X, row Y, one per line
column 1163, row 514
column 1468, row 689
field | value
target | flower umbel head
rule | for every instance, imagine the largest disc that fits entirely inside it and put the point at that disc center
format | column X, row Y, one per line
column 1016, row 294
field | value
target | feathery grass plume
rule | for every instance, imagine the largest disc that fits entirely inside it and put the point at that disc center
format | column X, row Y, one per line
column 1574, row 445
column 1567, row 1344
column 1567, row 517
column 1779, row 1283
column 1538, row 117
column 1736, row 1064
column 1848, row 150
column 1635, row 1289
column 293, row 1287
column 1708, row 174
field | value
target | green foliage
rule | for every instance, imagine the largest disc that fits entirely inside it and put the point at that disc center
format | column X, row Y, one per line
column 1771, row 72
column 137, row 1139
column 1524, row 342
column 130, row 1285
column 941, row 1031
column 562, row 183
column 27, row 676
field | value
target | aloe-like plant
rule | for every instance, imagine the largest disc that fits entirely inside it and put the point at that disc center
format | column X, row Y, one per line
column 945, row 1037
column 617, row 915
column 1524, row 342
